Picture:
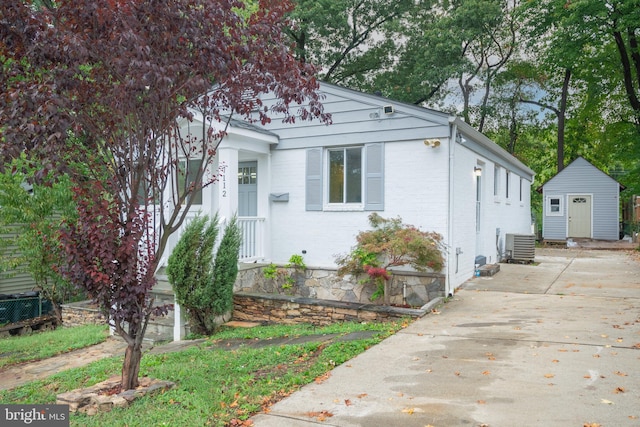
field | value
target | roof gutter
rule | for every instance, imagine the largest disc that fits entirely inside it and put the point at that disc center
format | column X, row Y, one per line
column 487, row 144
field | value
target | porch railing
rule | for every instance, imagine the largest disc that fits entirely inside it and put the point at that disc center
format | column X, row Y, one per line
column 252, row 231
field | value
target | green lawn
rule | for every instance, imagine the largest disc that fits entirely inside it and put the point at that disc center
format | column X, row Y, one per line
column 41, row 345
column 213, row 386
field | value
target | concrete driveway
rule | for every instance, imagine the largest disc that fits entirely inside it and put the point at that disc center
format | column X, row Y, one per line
column 551, row 344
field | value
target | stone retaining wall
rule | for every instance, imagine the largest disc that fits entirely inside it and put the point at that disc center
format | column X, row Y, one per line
column 290, row 310
column 81, row 313
column 406, row 288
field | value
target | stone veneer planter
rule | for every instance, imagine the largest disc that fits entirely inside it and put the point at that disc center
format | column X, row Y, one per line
column 98, row 398
column 290, row 310
column 406, row 287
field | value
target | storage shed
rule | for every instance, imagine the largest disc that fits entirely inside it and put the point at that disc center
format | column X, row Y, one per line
column 581, row 201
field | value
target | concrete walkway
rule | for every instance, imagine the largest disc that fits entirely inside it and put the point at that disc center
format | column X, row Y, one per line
column 23, row 373
column 551, row 344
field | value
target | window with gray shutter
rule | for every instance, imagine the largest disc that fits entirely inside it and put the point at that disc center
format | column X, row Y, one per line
column 343, row 167
column 374, row 177
column 313, row 184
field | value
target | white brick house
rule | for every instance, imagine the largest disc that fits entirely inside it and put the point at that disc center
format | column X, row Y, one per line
column 430, row 168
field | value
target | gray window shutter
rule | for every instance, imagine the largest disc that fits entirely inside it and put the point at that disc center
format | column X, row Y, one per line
column 313, row 199
column 374, row 177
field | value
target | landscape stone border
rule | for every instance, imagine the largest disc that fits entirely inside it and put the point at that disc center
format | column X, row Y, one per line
column 97, row 398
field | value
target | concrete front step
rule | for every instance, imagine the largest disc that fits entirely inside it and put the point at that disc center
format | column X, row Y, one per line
column 153, row 338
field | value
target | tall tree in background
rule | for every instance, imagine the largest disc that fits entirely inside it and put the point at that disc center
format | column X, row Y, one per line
column 351, row 41
column 122, row 78
column 463, row 43
column 595, row 42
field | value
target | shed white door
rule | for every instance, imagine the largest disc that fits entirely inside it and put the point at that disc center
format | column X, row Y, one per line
column 248, row 189
column 580, row 216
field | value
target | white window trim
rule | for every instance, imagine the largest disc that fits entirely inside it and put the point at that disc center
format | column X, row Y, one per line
column 497, row 177
column 547, row 205
column 342, row 207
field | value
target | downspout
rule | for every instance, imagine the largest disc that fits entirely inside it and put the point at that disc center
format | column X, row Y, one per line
column 452, row 141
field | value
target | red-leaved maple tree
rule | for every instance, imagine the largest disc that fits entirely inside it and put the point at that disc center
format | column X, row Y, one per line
column 102, row 90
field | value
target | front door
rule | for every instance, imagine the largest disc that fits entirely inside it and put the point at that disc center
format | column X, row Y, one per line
column 579, row 216
column 248, row 189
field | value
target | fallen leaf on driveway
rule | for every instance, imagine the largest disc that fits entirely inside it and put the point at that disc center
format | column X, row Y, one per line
column 619, row 390
column 591, row 425
column 606, row 402
column 486, row 373
column 409, row 411
column 622, row 374
column 347, row 402
column 549, row 375
column 481, row 402
column 320, row 416
column 361, row 395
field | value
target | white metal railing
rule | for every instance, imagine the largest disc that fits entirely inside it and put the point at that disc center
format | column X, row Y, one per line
column 252, row 232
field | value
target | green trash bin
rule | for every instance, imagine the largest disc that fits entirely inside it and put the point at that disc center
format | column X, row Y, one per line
column 27, row 306
column 6, row 308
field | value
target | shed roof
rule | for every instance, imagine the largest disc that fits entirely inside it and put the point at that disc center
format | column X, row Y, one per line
column 573, row 164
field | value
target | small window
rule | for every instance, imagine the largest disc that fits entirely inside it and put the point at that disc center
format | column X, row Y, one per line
column 345, row 175
column 506, row 184
column 247, row 175
column 496, row 180
column 579, row 200
column 554, row 206
column 520, row 189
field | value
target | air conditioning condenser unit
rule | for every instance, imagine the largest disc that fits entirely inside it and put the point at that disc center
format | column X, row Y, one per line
column 520, row 247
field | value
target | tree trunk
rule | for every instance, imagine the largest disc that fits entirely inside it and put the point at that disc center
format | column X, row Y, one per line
column 57, row 311
column 131, row 366
column 562, row 115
